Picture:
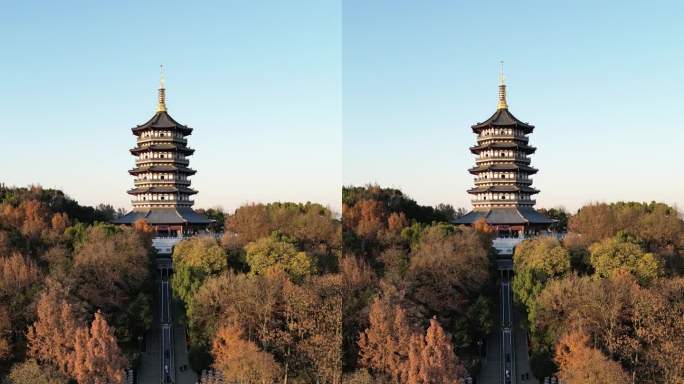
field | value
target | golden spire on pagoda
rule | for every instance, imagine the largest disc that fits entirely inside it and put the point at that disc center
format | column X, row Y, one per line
column 502, row 90
column 161, row 107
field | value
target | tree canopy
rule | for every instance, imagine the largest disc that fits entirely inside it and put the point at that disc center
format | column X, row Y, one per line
column 412, row 259
column 60, row 267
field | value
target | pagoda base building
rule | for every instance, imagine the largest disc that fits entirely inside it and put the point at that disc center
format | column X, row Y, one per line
column 510, row 222
column 503, row 193
column 168, row 222
column 161, row 196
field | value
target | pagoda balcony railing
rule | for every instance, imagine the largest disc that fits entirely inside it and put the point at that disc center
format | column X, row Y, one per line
column 142, row 162
column 162, row 139
column 502, row 137
column 511, row 202
column 158, row 181
column 497, row 180
column 162, row 203
column 508, row 159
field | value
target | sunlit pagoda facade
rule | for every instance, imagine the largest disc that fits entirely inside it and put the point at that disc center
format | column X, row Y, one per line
column 503, row 194
column 162, row 195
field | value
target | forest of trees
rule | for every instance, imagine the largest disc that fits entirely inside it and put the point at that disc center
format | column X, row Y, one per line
column 75, row 294
column 263, row 303
column 417, row 302
column 391, row 293
column 606, row 304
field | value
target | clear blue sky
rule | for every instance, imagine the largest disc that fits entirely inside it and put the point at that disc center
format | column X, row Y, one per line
column 259, row 81
column 603, row 81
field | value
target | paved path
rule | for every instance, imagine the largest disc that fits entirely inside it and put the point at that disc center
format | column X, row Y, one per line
column 507, row 351
column 186, row 376
column 491, row 365
column 522, row 360
column 166, row 364
column 149, row 372
column 506, row 359
column 165, row 346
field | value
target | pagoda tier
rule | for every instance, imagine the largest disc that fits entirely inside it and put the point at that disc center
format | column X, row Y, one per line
column 503, row 190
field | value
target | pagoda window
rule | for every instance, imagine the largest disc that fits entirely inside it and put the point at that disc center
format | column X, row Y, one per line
column 162, row 177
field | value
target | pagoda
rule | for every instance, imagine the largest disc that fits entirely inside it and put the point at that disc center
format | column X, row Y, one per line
column 503, row 194
column 162, row 193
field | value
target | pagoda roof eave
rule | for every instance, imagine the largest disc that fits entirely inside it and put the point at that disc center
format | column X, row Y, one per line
column 163, row 147
column 502, row 118
column 162, row 168
column 503, row 145
column 164, row 216
column 506, row 216
column 503, row 167
column 162, row 120
column 503, row 189
column 161, row 189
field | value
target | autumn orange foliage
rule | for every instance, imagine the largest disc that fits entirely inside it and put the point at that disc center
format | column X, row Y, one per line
column 60, row 340
column 240, row 360
column 97, row 357
column 580, row 363
column 403, row 354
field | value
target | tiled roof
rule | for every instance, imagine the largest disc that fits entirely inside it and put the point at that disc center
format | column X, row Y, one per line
column 503, row 167
column 503, row 145
column 505, row 216
column 164, row 216
column 163, row 120
column 163, row 147
column 503, row 118
column 162, row 168
column 162, row 189
column 503, row 188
